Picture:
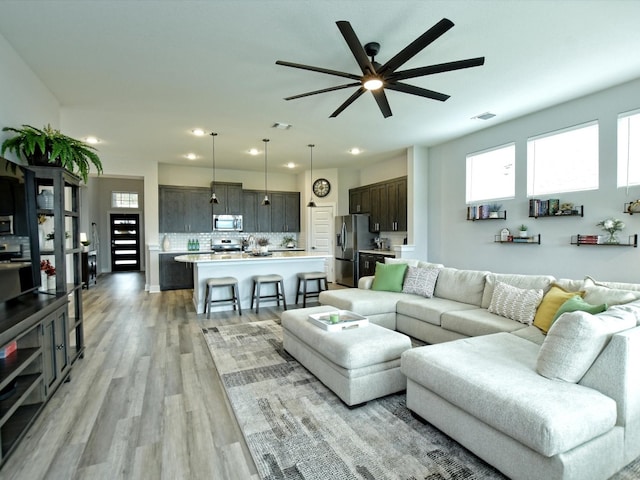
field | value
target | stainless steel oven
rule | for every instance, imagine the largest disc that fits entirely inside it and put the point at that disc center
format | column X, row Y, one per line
column 6, row 225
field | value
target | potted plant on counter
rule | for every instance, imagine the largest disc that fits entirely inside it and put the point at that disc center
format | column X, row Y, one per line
column 263, row 245
column 49, row 147
column 289, row 241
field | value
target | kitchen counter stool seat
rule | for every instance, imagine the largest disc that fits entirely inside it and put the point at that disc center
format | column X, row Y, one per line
column 277, row 281
column 303, row 279
column 216, row 282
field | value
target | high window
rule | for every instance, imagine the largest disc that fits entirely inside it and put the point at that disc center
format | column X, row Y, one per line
column 124, row 199
column 491, row 174
column 563, row 161
column 629, row 149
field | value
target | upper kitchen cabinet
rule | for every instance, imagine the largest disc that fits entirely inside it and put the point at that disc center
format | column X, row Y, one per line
column 255, row 216
column 285, row 211
column 360, row 200
column 230, row 197
column 379, row 219
column 184, row 209
column 397, row 204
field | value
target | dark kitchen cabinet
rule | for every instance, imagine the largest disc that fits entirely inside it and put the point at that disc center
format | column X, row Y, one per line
column 230, row 197
column 250, row 210
column 359, row 200
column 175, row 275
column 184, row 209
column 367, row 263
column 285, row 211
column 54, row 346
column 397, row 205
column 378, row 220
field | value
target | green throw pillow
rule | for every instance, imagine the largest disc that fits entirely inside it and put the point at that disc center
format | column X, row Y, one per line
column 389, row 277
column 577, row 303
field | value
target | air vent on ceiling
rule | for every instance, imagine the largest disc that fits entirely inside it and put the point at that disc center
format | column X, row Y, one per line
column 281, row 126
column 484, row 116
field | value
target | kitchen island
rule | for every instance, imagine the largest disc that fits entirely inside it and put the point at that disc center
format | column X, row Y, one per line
column 243, row 266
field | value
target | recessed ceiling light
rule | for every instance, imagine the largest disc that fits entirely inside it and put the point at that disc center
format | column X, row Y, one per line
column 355, row 151
column 92, row 140
column 191, row 156
column 281, row 126
column 198, row 132
column 484, row 116
column 291, row 165
column 254, row 151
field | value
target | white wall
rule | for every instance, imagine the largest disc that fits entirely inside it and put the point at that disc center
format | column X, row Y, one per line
column 23, row 97
column 385, row 170
column 457, row 242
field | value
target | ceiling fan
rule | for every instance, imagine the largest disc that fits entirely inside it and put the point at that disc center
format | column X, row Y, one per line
column 376, row 78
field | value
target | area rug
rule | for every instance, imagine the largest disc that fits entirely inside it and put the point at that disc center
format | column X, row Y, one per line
column 296, row 428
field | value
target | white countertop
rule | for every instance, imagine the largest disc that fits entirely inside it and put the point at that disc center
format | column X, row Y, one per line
column 388, row 253
column 247, row 257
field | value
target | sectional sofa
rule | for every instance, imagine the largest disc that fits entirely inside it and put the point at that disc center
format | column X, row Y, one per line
column 533, row 391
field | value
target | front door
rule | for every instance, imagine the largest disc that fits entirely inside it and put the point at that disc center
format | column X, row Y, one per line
column 125, row 241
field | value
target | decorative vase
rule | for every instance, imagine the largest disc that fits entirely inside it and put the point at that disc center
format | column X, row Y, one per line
column 264, row 249
column 166, row 243
column 613, row 238
column 42, row 237
column 45, row 200
column 494, row 215
column 43, row 281
column 51, row 282
column 524, row 233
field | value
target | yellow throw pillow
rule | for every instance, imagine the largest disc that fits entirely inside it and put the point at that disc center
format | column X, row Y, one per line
column 550, row 304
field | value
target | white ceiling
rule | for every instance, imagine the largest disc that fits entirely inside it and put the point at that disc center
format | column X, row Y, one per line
column 141, row 74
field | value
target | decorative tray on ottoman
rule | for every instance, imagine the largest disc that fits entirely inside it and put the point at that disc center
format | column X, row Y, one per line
column 344, row 321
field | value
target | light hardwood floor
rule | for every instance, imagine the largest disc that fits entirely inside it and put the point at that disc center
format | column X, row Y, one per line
column 145, row 402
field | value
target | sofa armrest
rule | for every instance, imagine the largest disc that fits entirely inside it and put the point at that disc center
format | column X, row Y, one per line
column 365, row 282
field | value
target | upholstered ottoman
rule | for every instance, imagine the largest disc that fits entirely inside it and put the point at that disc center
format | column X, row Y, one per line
column 357, row 364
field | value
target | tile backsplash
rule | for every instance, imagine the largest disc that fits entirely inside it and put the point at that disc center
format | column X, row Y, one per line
column 179, row 241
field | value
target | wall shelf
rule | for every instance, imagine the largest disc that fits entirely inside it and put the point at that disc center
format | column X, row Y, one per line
column 533, row 240
column 632, row 207
column 599, row 241
column 576, row 211
column 473, row 214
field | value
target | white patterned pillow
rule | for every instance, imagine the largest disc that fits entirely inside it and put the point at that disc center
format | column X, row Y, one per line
column 420, row 281
column 515, row 303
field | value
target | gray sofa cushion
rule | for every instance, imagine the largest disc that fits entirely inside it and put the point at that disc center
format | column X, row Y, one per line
column 516, row 280
column 466, row 286
column 493, row 378
column 478, row 321
column 428, row 309
column 364, row 302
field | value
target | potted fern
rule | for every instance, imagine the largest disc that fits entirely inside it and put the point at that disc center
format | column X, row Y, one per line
column 49, row 147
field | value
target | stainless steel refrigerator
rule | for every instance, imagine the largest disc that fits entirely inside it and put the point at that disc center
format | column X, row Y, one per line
column 352, row 235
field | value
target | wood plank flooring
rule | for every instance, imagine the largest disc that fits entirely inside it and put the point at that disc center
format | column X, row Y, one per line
column 145, row 402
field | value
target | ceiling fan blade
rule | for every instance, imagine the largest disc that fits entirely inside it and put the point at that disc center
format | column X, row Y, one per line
column 356, row 47
column 383, row 103
column 421, row 92
column 348, row 102
column 324, row 90
column 417, row 45
column 319, row 70
column 440, row 68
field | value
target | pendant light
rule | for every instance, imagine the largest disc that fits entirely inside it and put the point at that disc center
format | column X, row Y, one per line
column 311, row 202
column 266, row 201
column 213, row 198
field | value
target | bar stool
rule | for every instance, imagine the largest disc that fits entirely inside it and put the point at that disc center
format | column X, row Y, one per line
column 308, row 277
column 258, row 280
column 216, row 282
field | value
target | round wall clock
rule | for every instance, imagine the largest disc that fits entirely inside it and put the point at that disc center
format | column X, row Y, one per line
column 321, row 187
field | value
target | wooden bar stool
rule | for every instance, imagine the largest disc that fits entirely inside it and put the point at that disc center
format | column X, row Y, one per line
column 258, row 280
column 230, row 282
column 304, row 278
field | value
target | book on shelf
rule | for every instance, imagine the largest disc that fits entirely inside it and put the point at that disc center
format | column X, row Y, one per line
column 589, row 239
column 337, row 320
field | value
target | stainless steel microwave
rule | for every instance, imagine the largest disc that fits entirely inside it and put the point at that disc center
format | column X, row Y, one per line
column 227, row 223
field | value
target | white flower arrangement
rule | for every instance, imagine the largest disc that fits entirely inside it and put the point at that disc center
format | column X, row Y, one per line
column 611, row 225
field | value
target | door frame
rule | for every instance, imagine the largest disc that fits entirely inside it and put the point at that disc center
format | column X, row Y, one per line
column 330, row 262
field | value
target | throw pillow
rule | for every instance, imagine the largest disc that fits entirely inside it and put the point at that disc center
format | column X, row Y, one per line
column 389, row 276
column 412, row 262
column 515, row 303
column 575, row 340
column 596, row 293
column 577, row 303
column 550, row 304
column 420, row 281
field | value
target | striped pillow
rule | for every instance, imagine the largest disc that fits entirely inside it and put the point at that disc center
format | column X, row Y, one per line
column 515, row 303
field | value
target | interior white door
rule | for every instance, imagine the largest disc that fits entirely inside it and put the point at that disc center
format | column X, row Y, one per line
column 322, row 235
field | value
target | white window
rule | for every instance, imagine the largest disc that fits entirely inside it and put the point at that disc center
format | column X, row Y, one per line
column 491, row 174
column 629, row 149
column 563, row 161
column 124, row 199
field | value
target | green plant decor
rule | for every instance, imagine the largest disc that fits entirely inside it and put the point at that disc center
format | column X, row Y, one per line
column 495, row 207
column 287, row 239
column 523, row 228
column 263, row 241
column 49, row 147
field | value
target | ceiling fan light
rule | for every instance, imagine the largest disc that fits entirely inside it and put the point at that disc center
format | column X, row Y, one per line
column 372, row 83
